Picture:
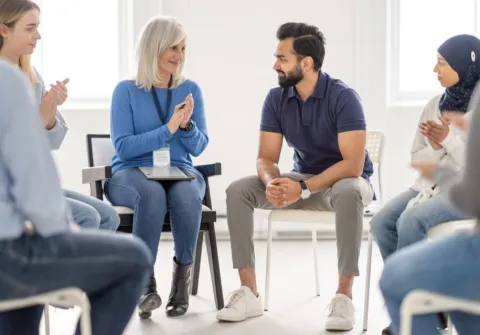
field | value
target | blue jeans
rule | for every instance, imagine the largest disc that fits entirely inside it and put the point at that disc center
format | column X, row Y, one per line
column 89, row 212
column 112, row 269
column 395, row 227
column 448, row 266
column 151, row 200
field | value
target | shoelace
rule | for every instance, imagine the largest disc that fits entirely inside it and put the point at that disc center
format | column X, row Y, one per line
column 234, row 297
column 338, row 307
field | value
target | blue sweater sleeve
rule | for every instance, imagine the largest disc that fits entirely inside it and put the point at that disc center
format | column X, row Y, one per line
column 196, row 140
column 128, row 144
column 56, row 135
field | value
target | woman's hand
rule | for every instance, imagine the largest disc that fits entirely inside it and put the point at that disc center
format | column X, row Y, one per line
column 177, row 118
column 188, row 111
column 60, row 90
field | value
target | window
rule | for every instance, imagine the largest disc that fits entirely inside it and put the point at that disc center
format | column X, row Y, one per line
column 81, row 41
column 418, row 29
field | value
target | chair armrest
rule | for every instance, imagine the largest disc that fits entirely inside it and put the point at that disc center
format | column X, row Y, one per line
column 97, row 173
column 210, row 170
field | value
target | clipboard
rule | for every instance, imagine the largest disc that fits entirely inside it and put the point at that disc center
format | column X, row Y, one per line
column 167, row 173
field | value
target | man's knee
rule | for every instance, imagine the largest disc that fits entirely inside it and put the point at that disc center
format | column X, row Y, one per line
column 347, row 192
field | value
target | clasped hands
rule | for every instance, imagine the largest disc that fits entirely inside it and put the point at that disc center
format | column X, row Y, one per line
column 434, row 133
column 182, row 114
column 282, row 192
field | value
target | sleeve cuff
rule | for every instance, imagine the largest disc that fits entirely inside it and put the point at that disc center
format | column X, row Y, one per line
column 191, row 133
column 449, row 142
column 165, row 134
column 55, row 128
column 438, row 153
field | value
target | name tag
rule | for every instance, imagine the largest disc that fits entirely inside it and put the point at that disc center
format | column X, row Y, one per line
column 161, row 157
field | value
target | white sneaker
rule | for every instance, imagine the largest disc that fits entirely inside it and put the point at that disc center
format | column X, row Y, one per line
column 242, row 304
column 342, row 313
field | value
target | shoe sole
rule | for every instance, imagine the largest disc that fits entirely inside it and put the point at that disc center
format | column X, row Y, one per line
column 339, row 328
column 150, row 302
column 239, row 319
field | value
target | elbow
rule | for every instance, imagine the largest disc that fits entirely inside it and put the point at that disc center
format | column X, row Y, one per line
column 355, row 169
column 200, row 148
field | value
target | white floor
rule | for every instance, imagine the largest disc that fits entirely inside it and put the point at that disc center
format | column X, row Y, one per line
column 294, row 309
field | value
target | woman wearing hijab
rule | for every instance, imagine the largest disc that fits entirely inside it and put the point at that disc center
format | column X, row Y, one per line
column 407, row 218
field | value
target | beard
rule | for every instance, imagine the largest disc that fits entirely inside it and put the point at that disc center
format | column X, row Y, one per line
column 291, row 78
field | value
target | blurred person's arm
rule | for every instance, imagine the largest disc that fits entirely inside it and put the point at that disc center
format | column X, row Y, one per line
column 25, row 156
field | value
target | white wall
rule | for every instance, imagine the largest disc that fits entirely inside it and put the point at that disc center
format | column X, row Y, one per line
column 230, row 54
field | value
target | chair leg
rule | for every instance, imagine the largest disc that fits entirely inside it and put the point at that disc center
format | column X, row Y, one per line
column 196, row 264
column 46, row 316
column 449, row 326
column 212, row 250
column 269, row 255
column 367, row 282
column 85, row 320
column 315, row 259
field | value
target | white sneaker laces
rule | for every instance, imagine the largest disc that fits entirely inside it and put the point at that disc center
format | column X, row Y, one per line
column 337, row 308
column 234, row 297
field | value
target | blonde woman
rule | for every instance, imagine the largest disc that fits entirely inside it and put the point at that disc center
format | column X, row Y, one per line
column 19, row 20
column 160, row 109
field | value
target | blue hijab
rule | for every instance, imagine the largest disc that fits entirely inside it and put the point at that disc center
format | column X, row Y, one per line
column 462, row 52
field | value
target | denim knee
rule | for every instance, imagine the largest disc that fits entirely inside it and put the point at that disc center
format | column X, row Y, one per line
column 87, row 217
column 111, row 219
column 411, row 228
column 378, row 226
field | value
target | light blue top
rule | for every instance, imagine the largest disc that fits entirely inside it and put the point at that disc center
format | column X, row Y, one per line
column 56, row 135
column 29, row 184
column 137, row 130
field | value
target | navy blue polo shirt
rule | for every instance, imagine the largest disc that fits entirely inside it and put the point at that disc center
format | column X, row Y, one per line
column 312, row 127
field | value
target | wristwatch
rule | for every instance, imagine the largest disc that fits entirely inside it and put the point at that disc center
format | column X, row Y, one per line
column 305, row 191
column 188, row 127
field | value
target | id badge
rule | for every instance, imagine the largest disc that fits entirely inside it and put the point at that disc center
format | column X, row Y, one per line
column 161, row 157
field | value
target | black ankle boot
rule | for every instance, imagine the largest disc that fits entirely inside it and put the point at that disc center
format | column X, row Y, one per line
column 151, row 300
column 180, row 293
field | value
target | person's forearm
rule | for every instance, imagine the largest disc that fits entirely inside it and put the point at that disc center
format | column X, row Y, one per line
column 267, row 170
column 57, row 133
column 341, row 170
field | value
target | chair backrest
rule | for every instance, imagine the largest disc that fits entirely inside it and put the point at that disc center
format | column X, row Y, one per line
column 375, row 144
column 100, row 150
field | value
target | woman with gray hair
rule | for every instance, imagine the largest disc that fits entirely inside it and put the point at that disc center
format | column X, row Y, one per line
column 160, row 111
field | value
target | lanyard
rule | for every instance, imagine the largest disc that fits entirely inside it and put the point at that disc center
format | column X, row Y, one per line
column 157, row 103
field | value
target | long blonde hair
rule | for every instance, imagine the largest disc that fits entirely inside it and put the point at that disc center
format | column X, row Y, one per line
column 10, row 12
column 159, row 34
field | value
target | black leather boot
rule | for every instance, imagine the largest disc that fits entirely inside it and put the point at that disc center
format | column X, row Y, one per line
column 180, row 293
column 151, row 300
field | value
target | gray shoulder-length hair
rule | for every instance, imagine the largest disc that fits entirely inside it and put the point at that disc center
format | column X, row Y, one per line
column 159, row 34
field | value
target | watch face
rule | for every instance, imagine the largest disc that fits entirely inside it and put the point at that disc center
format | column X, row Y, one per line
column 305, row 193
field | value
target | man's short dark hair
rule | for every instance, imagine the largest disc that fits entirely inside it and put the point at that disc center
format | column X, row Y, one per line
column 308, row 41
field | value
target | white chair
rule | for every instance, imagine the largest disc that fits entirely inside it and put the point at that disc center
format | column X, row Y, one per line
column 450, row 227
column 420, row 302
column 375, row 145
column 67, row 297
